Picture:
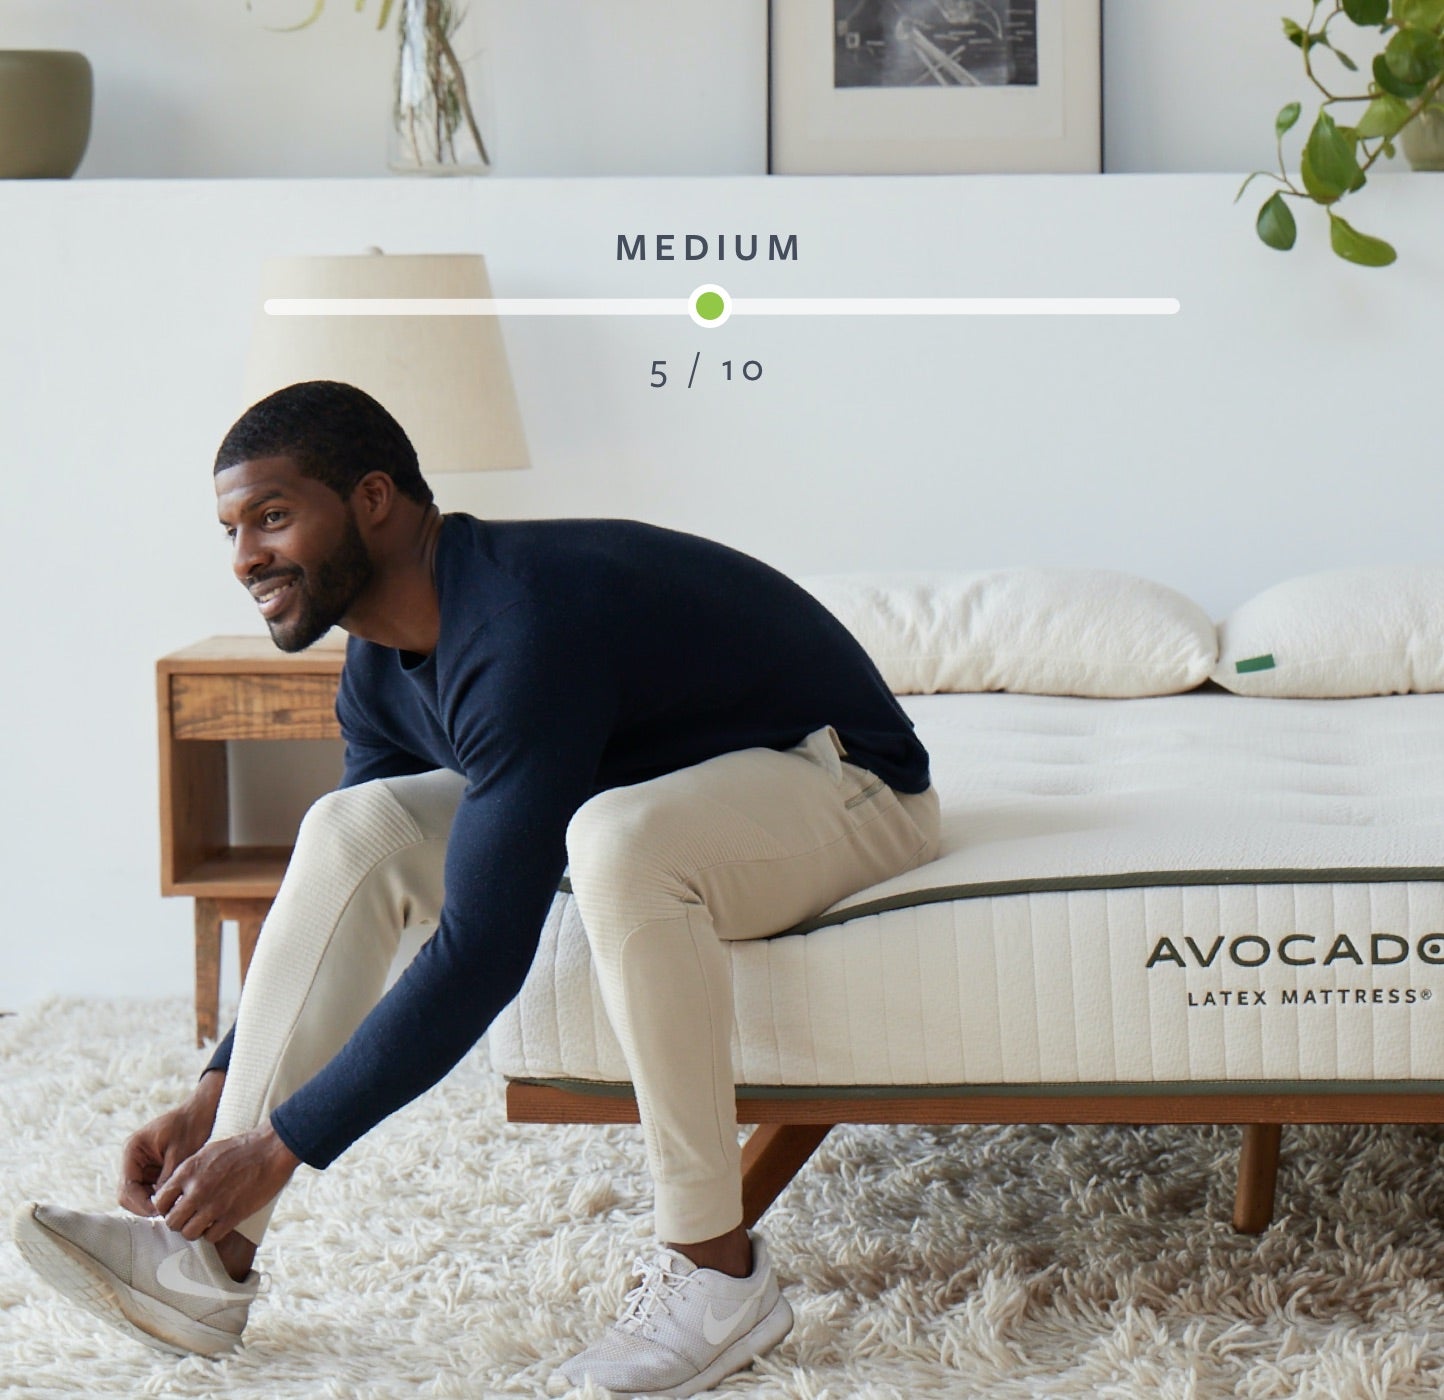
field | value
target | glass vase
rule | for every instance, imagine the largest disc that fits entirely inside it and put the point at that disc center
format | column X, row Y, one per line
column 440, row 114
column 1423, row 140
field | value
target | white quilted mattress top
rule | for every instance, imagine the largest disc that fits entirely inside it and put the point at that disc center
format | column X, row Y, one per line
column 1041, row 787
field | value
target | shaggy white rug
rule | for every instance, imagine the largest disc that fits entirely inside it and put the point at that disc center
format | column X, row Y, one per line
column 452, row 1254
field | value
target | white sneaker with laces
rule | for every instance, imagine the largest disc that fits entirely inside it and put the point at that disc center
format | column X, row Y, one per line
column 684, row 1329
column 143, row 1278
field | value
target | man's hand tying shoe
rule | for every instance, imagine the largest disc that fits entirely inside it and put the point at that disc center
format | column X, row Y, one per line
column 218, row 1187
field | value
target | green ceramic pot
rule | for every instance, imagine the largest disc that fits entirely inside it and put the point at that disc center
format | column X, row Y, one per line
column 45, row 102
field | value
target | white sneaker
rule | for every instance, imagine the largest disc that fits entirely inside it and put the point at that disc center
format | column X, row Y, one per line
column 138, row 1275
column 683, row 1329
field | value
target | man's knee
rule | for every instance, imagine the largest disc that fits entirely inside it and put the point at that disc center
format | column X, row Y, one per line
column 605, row 830
column 354, row 874
column 345, row 833
column 626, row 835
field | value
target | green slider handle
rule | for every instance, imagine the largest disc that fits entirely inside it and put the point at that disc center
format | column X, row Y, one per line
column 1256, row 663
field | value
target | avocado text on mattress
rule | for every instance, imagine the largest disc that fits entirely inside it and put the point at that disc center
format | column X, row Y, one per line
column 1301, row 950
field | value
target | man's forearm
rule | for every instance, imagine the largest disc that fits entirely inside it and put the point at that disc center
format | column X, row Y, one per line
column 221, row 1057
column 206, row 1096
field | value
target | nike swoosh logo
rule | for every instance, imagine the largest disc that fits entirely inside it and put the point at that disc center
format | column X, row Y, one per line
column 718, row 1329
column 170, row 1275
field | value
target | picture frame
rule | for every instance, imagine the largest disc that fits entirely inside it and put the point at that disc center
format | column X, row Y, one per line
column 930, row 87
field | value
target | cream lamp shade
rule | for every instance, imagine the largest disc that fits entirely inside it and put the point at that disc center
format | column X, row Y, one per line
column 444, row 378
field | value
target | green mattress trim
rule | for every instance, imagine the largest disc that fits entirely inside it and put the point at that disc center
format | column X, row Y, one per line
column 1127, row 880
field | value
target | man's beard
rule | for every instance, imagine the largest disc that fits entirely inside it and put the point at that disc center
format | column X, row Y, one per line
column 325, row 596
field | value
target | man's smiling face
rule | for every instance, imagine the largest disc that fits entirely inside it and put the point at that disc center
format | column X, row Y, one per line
column 295, row 547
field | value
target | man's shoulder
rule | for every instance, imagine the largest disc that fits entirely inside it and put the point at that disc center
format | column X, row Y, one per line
column 586, row 584
column 564, row 533
column 363, row 665
column 488, row 567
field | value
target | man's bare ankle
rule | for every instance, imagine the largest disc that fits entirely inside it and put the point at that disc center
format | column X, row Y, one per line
column 237, row 1254
column 727, row 1254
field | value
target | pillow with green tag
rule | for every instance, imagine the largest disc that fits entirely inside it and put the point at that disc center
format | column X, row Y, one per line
column 1366, row 631
column 1037, row 631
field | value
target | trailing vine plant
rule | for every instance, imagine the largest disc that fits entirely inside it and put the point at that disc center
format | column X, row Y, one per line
column 1407, row 80
column 432, row 100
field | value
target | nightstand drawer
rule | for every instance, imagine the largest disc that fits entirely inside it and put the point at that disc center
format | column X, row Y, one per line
column 253, row 707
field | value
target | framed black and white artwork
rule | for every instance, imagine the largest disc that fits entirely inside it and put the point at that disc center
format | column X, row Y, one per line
column 891, row 87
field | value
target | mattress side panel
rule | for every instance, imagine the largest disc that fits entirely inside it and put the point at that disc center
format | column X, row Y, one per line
column 1234, row 982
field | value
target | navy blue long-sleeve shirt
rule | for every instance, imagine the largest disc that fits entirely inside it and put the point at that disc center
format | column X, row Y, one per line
column 573, row 656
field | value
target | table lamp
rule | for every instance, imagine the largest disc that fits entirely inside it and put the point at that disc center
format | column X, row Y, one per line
column 445, row 379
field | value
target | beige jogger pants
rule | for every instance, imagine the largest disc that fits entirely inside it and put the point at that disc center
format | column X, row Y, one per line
column 741, row 846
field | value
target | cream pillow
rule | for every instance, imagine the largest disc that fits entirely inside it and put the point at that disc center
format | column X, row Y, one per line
column 1041, row 631
column 1366, row 631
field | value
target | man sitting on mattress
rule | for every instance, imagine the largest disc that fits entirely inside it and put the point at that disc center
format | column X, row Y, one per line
column 687, row 729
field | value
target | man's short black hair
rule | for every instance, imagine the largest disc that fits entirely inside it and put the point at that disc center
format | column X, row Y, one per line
column 335, row 433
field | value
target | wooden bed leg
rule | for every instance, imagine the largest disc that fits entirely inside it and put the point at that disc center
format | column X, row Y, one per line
column 772, row 1156
column 1258, row 1169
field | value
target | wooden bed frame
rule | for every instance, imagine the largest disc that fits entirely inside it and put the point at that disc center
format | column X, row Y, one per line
column 789, row 1129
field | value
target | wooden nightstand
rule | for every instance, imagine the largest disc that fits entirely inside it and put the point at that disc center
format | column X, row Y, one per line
column 221, row 689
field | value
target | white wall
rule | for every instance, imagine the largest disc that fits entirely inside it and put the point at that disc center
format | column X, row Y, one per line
column 1219, row 451
column 597, row 87
column 582, row 87
column 1185, row 449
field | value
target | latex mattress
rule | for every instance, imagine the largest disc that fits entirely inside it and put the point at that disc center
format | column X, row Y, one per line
column 1194, row 888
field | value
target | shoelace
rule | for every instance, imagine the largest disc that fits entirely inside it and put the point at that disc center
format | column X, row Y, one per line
column 659, row 1283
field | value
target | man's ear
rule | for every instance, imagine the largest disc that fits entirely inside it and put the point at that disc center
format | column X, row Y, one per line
column 373, row 499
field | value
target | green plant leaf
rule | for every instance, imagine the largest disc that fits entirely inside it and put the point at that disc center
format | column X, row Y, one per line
column 1315, row 190
column 1383, row 116
column 1276, row 224
column 1392, row 83
column 1330, row 160
column 1292, row 28
column 1419, row 14
column 1367, row 11
column 1358, row 247
column 1342, row 57
column 1287, row 117
column 1414, row 56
